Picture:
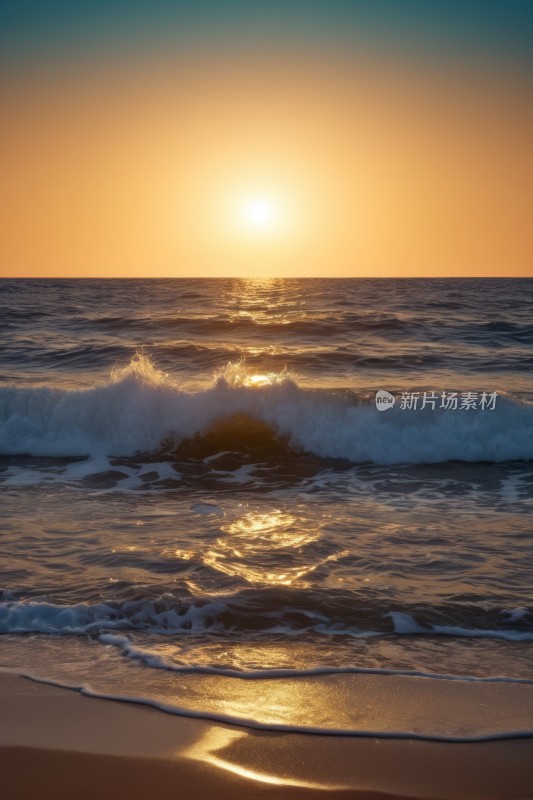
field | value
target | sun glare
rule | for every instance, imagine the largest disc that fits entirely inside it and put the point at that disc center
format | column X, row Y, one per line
column 256, row 224
column 258, row 380
column 259, row 213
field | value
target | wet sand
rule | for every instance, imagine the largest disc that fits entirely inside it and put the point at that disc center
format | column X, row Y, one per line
column 55, row 743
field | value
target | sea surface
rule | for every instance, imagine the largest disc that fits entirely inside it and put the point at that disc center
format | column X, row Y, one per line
column 202, row 508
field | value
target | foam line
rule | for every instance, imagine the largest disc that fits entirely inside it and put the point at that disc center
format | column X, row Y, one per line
column 88, row 691
column 157, row 662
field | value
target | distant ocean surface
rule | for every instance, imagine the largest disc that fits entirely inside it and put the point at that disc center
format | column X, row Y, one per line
column 198, row 493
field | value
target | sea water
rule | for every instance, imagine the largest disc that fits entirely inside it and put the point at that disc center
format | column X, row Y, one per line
column 203, row 508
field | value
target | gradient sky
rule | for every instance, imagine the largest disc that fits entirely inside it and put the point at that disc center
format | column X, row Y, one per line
column 387, row 137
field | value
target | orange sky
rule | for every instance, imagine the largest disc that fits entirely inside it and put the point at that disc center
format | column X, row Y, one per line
column 376, row 167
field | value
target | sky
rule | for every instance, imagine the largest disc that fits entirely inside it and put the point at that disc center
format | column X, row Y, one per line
column 381, row 138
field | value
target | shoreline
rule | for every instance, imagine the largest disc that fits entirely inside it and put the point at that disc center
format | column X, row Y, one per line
column 56, row 743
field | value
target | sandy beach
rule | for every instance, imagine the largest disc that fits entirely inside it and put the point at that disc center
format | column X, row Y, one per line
column 55, row 743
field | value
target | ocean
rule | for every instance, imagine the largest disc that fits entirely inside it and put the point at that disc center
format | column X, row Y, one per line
column 202, row 505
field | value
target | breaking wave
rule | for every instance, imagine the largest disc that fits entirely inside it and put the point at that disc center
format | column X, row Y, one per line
column 142, row 410
column 265, row 612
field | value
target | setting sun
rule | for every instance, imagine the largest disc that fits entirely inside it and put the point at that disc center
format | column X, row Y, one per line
column 259, row 213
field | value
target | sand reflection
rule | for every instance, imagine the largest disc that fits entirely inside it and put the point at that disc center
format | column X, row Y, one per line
column 215, row 748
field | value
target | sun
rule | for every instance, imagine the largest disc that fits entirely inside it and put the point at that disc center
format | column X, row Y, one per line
column 259, row 213
column 257, row 219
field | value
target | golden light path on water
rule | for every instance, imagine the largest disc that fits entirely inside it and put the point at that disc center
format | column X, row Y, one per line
column 264, row 301
column 259, row 546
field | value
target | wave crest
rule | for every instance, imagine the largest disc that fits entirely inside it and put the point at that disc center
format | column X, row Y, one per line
column 142, row 407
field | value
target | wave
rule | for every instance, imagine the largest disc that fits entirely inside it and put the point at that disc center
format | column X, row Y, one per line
column 281, row 727
column 142, row 410
column 272, row 612
column 156, row 661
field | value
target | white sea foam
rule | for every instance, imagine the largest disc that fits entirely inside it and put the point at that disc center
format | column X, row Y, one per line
column 169, row 618
column 156, row 661
column 44, row 617
column 141, row 407
column 404, row 624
